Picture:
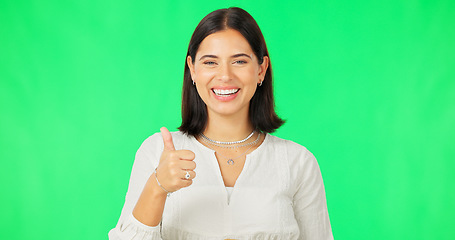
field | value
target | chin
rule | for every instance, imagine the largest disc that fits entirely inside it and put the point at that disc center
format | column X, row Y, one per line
column 228, row 110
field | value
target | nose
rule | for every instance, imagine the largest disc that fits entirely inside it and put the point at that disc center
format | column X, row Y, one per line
column 225, row 73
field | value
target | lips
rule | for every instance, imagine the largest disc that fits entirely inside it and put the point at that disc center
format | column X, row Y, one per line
column 225, row 92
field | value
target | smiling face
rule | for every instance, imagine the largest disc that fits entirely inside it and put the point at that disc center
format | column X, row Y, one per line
column 226, row 72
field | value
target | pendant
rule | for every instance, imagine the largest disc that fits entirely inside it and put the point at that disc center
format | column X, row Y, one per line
column 230, row 162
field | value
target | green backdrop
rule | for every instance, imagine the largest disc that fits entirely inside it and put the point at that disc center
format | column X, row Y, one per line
column 367, row 86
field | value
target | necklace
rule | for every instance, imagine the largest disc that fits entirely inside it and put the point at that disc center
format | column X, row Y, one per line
column 230, row 161
column 228, row 143
column 230, row 146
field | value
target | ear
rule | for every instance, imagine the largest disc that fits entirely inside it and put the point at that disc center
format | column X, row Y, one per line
column 190, row 64
column 263, row 69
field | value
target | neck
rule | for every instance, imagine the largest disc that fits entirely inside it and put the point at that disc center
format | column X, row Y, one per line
column 228, row 128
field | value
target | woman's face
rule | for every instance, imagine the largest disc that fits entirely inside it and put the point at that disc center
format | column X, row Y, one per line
column 226, row 72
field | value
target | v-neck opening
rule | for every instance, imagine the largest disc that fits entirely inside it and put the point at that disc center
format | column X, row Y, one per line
column 245, row 165
column 218, row 167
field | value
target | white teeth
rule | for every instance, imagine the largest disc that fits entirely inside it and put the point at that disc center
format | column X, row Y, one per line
column 225, row 91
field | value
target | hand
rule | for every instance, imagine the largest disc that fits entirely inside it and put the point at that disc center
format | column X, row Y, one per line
column 174, row 164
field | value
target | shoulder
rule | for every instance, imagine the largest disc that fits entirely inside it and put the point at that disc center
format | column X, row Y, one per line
column 296, row 155
column 302, row 163
column 292, row 148
column 179, row 138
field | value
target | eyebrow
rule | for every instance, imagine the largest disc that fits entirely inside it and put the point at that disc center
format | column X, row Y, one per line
column 233, row 56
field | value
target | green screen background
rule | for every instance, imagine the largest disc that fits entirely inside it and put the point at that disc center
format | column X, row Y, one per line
column 367, row 86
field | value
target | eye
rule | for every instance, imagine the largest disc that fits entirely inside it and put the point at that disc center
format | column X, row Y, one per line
column 209, row 63
column 241, row 62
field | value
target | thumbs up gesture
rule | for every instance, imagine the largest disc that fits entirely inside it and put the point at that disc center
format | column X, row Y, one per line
column 176, row 167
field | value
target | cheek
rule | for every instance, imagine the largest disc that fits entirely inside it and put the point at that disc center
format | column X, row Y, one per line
column 203, row 92
column 204, row 74
column 249, row 74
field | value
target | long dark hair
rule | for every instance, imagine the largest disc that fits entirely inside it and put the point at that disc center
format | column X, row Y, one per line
column 262, row 105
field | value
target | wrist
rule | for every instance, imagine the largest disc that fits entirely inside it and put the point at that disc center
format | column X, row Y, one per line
column 168, row 193
column 150, row 205
column 154, row 189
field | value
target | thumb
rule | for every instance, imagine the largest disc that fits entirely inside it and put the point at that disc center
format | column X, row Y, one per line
column 167, row 139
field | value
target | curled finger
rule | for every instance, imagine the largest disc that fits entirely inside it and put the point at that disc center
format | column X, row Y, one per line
column 187, row 183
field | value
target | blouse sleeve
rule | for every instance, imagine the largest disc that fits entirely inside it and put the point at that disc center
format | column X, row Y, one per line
column 310, row 206
column 128, row 227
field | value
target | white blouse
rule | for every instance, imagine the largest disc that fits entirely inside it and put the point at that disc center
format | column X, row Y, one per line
column 278, row 195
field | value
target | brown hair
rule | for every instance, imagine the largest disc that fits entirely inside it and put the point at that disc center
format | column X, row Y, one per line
column 262, row 106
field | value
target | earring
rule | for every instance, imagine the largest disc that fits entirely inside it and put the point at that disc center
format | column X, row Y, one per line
column 260, row 84
column 194, row 83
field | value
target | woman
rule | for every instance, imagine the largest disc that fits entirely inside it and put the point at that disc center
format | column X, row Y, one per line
column 249, row 185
